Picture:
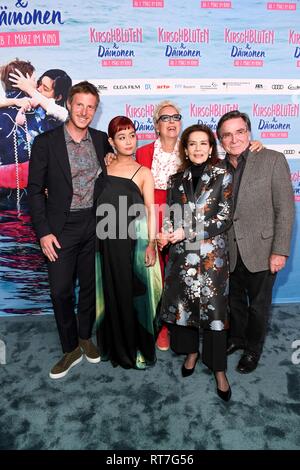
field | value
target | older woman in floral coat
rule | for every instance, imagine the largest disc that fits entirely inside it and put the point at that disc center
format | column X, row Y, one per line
column 197, row 274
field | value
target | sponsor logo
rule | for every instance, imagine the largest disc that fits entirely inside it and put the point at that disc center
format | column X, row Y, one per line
column 163, row 87
column 277, row 86
column 259, row 86
column 101, row 87
column 127, row 87
column 148, row 86
column 289, row 152
column 234, row 84
column 209, row 86
column 294, row 87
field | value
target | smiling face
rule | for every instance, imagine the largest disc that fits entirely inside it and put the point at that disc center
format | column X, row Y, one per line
column 169, row 129
column 235, row 136
column 124, row 142
column 198, row 147
column 82, row 110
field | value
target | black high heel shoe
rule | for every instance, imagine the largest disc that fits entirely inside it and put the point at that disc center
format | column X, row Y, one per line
column 186, row 372
column 224, row 395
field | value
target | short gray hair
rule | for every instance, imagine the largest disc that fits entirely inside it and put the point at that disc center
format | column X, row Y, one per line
column 160, row 106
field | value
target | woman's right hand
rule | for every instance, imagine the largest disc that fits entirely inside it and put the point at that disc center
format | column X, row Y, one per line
column 26, row 84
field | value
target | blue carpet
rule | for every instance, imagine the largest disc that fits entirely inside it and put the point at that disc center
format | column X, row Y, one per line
column 98, row 407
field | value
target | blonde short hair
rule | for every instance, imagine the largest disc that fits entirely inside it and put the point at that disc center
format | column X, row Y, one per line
column 160, row 106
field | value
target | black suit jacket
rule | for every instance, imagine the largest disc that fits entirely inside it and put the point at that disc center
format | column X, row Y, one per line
column 49, row 168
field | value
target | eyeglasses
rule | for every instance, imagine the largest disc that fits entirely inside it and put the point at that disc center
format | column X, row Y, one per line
column 229, row 136
column 168, row 117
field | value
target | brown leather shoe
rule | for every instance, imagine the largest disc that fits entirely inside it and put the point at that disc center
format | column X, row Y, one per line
column 90, row 350
column 66, row 362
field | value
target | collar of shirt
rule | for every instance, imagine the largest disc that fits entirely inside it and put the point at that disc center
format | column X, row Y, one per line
column 158, row 147
column 69, row 138
column 241, row 158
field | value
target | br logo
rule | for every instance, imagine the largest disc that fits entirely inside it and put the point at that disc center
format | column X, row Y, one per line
column 2, row 352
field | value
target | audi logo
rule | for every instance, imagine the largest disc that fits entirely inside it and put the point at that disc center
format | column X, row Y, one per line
column 277, row 87
column 289, row 152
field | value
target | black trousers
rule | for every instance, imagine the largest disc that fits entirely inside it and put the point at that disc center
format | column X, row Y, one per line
column 76, row 260
column 185, row 340
column 250, row 299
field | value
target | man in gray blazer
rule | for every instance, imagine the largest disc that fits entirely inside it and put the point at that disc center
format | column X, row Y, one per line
column 259, row 238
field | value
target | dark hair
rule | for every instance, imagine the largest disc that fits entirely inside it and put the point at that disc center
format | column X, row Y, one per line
column 83, row 87
column 22, row 65
column 61, row 84
column 119, row 123
column 184, row 143
column 233, row 115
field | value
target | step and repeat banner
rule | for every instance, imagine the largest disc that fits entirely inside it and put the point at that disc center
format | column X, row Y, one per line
column 210, row 57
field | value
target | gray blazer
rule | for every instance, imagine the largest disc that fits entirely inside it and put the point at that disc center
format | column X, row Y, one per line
column 264, row 213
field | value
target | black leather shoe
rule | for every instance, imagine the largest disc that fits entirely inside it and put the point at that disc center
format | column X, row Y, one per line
column 186, row 372
column 224, row 395
column 233, row 347
column 247, row 363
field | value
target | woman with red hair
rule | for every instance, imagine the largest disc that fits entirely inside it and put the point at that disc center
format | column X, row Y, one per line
column 128, row 279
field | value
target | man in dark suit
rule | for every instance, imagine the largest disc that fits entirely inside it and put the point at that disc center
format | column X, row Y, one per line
column 63, row 168
column 259, row 238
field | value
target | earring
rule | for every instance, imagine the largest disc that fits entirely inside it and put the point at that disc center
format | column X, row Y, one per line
column 186, row 157
column 209, row 155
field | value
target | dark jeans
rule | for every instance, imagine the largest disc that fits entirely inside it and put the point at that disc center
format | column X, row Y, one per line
column 250, row 299
column 185, row 340
column 76, row 259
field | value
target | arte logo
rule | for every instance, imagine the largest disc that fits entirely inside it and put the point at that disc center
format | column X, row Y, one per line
column 163, row 87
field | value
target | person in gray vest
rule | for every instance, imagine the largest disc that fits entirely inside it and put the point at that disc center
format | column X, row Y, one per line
column 259, row 238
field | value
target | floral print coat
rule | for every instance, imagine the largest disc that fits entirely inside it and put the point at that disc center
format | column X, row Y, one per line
column 197, row 273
